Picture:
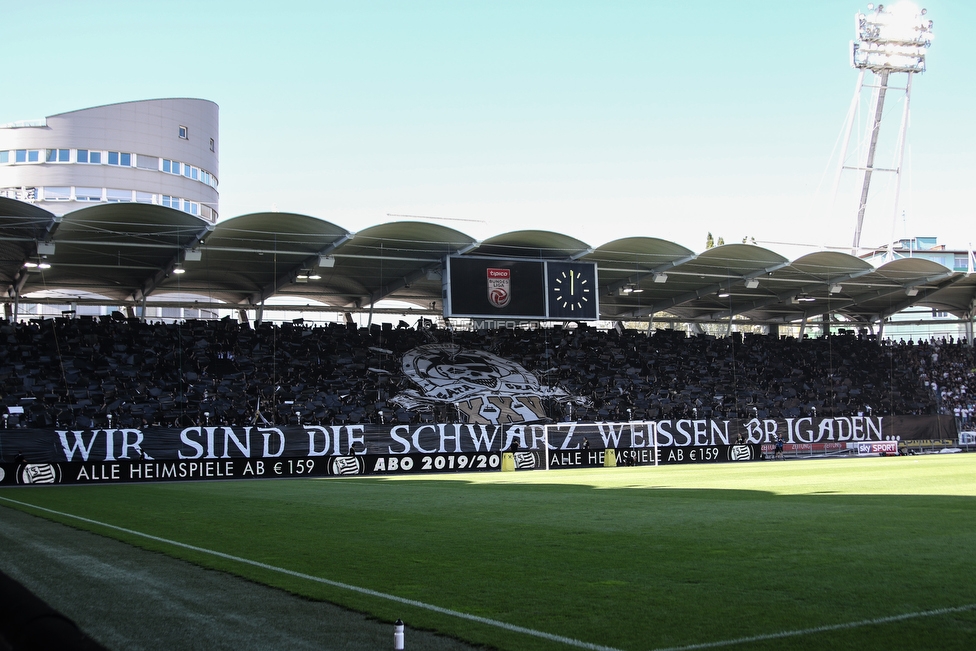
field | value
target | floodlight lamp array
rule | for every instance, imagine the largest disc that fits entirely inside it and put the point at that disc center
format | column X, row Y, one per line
column 892, row 38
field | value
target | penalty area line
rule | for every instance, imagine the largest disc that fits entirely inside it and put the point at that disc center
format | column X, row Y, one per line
column 579, row 644
column 822, row 629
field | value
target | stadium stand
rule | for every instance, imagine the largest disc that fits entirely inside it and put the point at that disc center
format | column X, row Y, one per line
column 122, row 372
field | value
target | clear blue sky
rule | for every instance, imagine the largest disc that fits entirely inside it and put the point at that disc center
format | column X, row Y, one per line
column 597, row 119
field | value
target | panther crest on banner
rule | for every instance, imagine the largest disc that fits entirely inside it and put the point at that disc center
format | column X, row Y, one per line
column 485, row 388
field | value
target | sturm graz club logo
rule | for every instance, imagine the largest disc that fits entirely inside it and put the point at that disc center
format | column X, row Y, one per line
column 39, row 473
column 346, row 466
column 528, row 460
column 499, row 286
column 740, row 453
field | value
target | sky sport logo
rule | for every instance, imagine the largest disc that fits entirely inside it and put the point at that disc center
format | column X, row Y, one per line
column 499, row 286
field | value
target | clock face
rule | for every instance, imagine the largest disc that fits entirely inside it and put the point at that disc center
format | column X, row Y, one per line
column 572, row 290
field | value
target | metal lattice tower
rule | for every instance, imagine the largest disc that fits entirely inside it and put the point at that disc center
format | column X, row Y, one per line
column 889, row 40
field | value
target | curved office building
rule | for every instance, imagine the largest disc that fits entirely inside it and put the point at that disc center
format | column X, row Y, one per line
column 159, row 151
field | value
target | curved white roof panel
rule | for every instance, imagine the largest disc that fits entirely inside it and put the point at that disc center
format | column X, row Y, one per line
column 128, row 251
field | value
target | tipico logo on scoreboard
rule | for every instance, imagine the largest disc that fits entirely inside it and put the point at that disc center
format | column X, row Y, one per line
column 499, row 286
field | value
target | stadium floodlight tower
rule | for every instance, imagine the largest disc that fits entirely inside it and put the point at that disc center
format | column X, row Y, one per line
column 890, row 39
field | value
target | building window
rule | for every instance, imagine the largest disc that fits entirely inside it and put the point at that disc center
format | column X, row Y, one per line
column 119, row 158
column 183, row 133
column 4, row 156
column 27, row 155
column 88, row 194
column 171, row 202
column 144, row 162
column 93, row 157
column 118, row 196
column 212, row 145
column 58, row 156
column 145, row 197
column 57, row 193
column 20, row 194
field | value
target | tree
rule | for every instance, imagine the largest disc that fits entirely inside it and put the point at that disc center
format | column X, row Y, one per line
column 709, row 241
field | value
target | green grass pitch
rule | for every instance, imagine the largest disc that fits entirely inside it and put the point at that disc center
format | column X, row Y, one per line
column 627, row 558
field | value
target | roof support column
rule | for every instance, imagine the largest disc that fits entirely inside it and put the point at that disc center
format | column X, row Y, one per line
column 969, row 325
column 259, row 317
column 803, row 326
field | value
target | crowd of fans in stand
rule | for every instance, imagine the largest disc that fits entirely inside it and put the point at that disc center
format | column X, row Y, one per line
column 948, row 368
column 118, row 372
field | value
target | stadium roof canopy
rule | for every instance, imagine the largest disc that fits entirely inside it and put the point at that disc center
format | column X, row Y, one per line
column 130, row 252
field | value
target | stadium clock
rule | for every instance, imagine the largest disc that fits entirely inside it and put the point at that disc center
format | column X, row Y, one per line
column 572, row 288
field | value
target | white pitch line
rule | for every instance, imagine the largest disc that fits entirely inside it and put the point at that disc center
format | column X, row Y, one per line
column 336, row 584
column 821, row 629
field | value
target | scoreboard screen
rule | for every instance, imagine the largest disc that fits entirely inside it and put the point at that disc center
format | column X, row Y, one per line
column 520, row 289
